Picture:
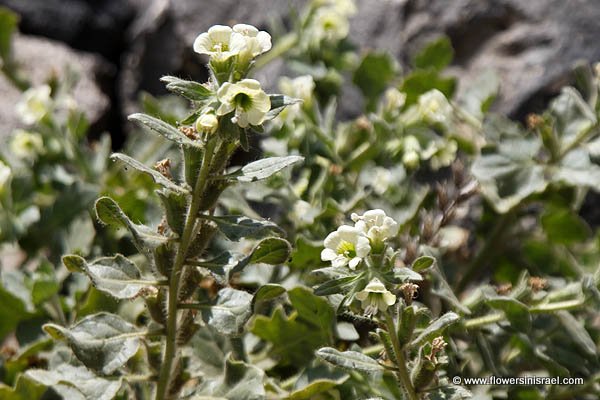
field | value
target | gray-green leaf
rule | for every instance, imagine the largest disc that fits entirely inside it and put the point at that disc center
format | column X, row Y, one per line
column 350, row 360
column 116, row 276
column 266, row 167
column 164, row 129
column 144, row 238
column 230, row 312
column 154, row 174
column 235, row 227
column 102, row 342
column 436, row 328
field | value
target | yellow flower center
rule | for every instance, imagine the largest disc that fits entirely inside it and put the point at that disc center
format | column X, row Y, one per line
column 347, row 249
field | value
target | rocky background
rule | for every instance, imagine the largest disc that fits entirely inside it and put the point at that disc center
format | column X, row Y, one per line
column 121, row 47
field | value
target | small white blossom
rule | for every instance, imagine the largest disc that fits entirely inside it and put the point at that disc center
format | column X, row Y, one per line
column 304, row 212
column 330, row 25
column 393, row 99
column 375, row 297
column 207, row 122
column 302, row 88
column 247, row 99
column 34, row 104
column 344, row 7
column 5, row 175
column 440, row 154
column 378, row 178
column 219, row 43
column 255, row 42
column 411, row 147
column 26, row 145
column 376, row 225
column 434, row 107
column 346, row 246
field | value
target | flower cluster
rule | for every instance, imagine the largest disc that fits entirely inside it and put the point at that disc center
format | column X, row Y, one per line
column 353, row 245
column 232, row 51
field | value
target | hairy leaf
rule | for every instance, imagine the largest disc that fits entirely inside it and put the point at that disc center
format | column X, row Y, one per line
column 350, row 360
column 435, row 328
column 116, row 276
column 188, row 89
column 264, row 168
column 235, row 227
column 164, row 129
column 230, row 312
column 102, row 342
column 154, row 174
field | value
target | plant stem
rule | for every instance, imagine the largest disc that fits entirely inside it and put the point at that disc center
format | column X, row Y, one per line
column 186, row 238
column 400, row 361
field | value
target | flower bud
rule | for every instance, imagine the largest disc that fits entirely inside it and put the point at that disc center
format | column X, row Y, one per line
column 207, row 122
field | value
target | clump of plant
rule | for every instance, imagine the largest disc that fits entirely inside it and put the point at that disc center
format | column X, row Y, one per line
column 179, row 256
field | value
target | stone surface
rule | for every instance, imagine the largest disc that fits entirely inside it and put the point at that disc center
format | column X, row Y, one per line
column 38, row 59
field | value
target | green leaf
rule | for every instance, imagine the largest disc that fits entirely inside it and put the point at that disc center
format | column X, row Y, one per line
column 154, row 174
column 235, row 227
column 508, row 173
column 164, row 129
column 12, row 311
column 264, row 168
column 272, row 251
column 422, row 263
column 278, row 103
column 188, row 89
column 207, row 352
column 578, row 334
column 144, row 238
column 239, row 381
column 25, row 388
column 576, row 169
column 375, row 72
column 116, row 276
column 573, row 117
column 516, row 312
column 44, row 283
column 403, row 274
column 479, row 95
column 316, row 380
column 564, row 226
column 175, row 205
column 436, row 54
column 102, row 342
column 450, row 392
column 230, row 312
column 350, row 361
column 64, row 377
column 313, row 309
column 267, row 292
column 435, row 328
column 292, row 340
column 422, row 81
column 334, row 286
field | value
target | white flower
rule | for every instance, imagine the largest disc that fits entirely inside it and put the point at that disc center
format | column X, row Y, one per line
column 344, row 7
column 330, row 25
column 346, row 246
column 304, row 212
column 434, row 107
column 411, row 147
column 255, row 42
column 375, row 297
column 34, row 105
column 26, row 145
column 440, row 154
column 376, row 225
column 378, row 178
column 5, row 174
column 218, row 43
column 207, row 122
column 393, row 99
column 302, row 88
column 246, row 97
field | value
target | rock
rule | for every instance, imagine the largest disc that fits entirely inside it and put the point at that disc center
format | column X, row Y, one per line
column 38, row 59
column 532, row 45
column 95, row 26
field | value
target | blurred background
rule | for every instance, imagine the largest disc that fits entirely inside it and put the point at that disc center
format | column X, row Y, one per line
column 121, row 48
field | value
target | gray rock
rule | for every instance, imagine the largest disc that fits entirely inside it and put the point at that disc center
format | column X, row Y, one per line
column 39, row 59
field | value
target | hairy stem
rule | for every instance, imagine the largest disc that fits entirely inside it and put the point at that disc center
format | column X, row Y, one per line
column 186, row 238
column 400, row 360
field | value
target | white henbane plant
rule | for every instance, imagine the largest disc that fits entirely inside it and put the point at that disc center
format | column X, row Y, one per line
column 224, row 112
